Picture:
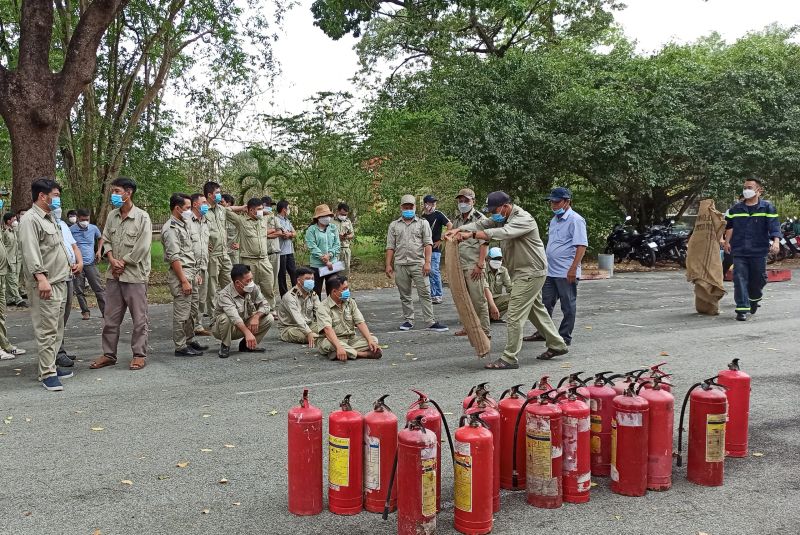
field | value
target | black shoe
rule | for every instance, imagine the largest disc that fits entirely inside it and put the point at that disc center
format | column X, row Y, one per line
column 64, row 361
column 496, row 321
column 741, row 316
column 243, row 348
column 194, row 344
column 21, row 304
column 754, row 308
column 187, row 352
column 224, row 351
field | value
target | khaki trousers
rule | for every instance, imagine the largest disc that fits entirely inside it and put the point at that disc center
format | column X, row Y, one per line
column 261, row 268
column 526, row 303
column 234, row 256
column 122, row 296
column 346, row 255
column 223, row 330
column 275, row 262
column 12, row 284
column 48, row 324
column 202, row 289
column 478, row 298
column 501, row 302
column 294, row 335
column 404, row 277
column 352, row 345
column 182, row 305
column 219, row 276
column 5, row 345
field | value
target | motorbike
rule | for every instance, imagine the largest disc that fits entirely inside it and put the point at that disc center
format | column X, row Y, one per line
column 789, row 246
column 626, row 243
column 672, row 243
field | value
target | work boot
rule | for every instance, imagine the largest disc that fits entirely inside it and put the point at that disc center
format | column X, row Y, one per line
column 224, row 351
column 741, row 316
column 754, row 308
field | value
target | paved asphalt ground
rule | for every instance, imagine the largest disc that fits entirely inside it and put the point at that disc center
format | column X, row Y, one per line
column 63, row 456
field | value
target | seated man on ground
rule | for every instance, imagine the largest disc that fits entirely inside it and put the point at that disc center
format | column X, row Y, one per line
column 497, row 281
column 300, row 311
column 241, row 312
column 343, row 319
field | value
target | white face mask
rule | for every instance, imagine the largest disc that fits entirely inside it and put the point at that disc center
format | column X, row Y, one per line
column 429, row 208
column 249, row 287
column 748, row 193
column 464, row 207
column 259, row 213
column 57, row 213
column 325, row 220
column 495, row 264
column 72, row 220
column 15, row 224
column 83, row 224
column 342, row 218
column 186, row 215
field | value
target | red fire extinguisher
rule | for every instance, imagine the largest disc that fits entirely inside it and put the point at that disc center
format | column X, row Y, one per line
column 544, row 451
column 661, row 403
column 620, row 387
column 345, row 460
column 380, row 447
column 575, row 464
column 305, row 458
column 656, row 371
column 416, row 473
column 574, row 379
column 601, row 412
column 474, row 392
column 510, row 408
column 434, row 419
column 707, row 415
column 737, row 384
column 473, row 467
column 491, row 417
column 540, row 387
column 629, row 437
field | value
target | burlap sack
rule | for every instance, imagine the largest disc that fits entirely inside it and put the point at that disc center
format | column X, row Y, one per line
column 703, row 262
column 466, row 312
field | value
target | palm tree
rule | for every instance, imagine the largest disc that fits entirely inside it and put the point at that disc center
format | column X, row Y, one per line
column 270, row 173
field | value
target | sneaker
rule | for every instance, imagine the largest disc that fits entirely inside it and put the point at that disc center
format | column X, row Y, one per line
column 407, row 326
column 187, row 352
column 17, row 351
column 754, row 308
column 197, row 346
column 86, row 315
column 64, row 374
column 438, row 327
column 64, row 361
column 5, row 355
column 52, row 384
column 741, row 316
column 436, row 300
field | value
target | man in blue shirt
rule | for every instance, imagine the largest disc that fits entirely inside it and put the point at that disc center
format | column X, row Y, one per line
column 566, row 245
column 86, row 237
column 750, row 226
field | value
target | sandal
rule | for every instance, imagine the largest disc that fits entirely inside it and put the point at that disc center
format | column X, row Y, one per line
column 501, row 364
column 102, row 362
column 137, row 363
column 550, row 353
column 535, row 337
column 462, row 332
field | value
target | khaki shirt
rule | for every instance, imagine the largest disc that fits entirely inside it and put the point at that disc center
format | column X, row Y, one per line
column 217, row 230
column 252, row 234
column 345, row 228
column 177, row 239
column 523, row 250
column 239, row 308
column 200, row 238
column 273, row 244
column 343, row 319
column 129, row 240
column 408, row 240
column 233, row 236
column 42, row 245
column 498, row 280
column 302, row 311
column 12, row 245
column 4, row 267
column 468, row 250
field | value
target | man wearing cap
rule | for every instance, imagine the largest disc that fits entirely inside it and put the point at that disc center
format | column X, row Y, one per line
column 497, row 281
column 526, row 262
column 566, row 245
column 274, row 235
column 408, row 259
column 472, row 257
column 437, row 221
column 322, row 240
column 253, row 243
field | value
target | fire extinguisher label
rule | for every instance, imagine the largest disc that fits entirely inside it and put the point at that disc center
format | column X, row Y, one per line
column 429, row 486
column 463, row 477
column 372, row 472
column 569, row 430
column 594, row 404
column 584, row 482
column 597, row 423
column 614, row 472
column 715, row 438
column 629, row 419
column 338, row 462
column 540, row 454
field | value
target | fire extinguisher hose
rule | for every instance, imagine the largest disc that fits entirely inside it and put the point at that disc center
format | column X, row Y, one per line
column 446, row 430
column 389, row 492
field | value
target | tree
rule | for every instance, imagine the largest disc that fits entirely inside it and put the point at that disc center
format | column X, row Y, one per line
column 270, row 172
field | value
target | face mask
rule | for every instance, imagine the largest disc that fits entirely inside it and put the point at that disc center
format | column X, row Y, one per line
column 249, row 287
column 342, row 218
column 218, row 197
column 269, row 209
column 83, row 224
column 186, row 215
column 324, row 220
column 116, row 200
column 57, row 213
column 464, row 207
column 72, row 220
column 495, row 264
column 748, row 193
column 408, row 214
column 345, row 295
column 559, row 211
column 2, row 203
column 308, row 285
column 15, row 224
column 203, row 209
column 55, row 202
column 259, row 214
column 498, row 218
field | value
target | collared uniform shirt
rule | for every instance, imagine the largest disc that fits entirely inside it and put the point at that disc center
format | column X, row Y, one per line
column 69, row 241
column 252, row 234
column 4, row 256
column 497, row 281
column 85, row 239
column 408, row 240
column 217, row 231
column 200, row 240
column 344, row 227
column 12, row 245
column 273, row 244
column 298, row 310
column 129, row 240
column 564, row 235
column 468, row 250
column 753, row 228
column 240, row 308
column 342, row 319
column 178, row 245
column 42, row 246
column 287, row 244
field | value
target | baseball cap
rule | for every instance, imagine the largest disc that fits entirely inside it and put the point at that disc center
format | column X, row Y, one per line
column 558, row 194
column 408, row 199
column 466, row 192
column 496, row 199
column 429, row 198
column 495, row 252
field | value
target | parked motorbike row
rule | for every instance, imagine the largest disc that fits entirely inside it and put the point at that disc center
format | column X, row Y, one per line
column 548, row 441
column 658, row 243
column 790, row 242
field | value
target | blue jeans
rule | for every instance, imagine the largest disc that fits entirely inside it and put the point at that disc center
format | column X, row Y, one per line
column 436, row 274
column 749, row 279
column 559, row 289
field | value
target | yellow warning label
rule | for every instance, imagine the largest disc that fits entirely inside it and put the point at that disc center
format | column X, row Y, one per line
column 428, row 487
column 595, row 443
column 463, row 483
column 614, row 442
column 539, row 449
column 597, row 423
column 338, row 461
column 715, row 438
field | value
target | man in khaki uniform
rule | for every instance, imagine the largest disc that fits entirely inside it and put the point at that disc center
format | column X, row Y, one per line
column 232, row 231
column 183, row 279
column 527, row 264
column 346, row 235
column 253, row 243
column 472, row 257
column 46, row 270
column 300, row 313
column 408, row 259
column 241, row 312
column 7, row 351
column 497, row 281
column 10, row 224
column 346, row 335
column 219, row 262
column 200, row 240
column 274, row 234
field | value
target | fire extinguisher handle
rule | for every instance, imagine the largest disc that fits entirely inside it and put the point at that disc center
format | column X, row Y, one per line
column 641, row 385
column 734, row 365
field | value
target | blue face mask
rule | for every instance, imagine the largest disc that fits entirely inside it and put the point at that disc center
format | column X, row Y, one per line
column 217, row 197
column 559, row 212
column 268, row 209
column 55, row 202
column 1, row 203
column 308, row 285
column 498, row 218
column 345, row 295
column 408, row 214
column 116, row 200
column 203, row 209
